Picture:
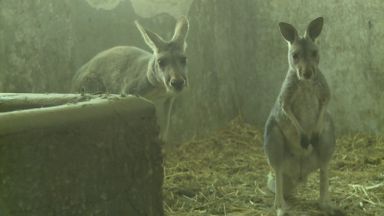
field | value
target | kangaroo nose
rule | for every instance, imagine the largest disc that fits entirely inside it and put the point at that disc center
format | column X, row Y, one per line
column 177, row 84
column 308, row 72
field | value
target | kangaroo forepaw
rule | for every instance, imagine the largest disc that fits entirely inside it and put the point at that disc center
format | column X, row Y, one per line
column 315, row 139
column 304, row 141
column 281, row 208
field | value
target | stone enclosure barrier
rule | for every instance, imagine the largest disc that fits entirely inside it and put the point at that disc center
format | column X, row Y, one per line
column 66, row 154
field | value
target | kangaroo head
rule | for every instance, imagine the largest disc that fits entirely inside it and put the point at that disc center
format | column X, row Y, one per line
column 303, row 54
column 170, row 61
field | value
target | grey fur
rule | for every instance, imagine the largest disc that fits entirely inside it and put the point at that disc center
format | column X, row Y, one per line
column 299, row 133
column 158, row 76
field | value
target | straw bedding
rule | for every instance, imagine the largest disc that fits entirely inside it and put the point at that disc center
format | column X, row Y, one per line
column 225, row 173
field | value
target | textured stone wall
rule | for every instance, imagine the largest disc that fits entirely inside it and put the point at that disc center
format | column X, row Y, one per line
column 237, row 58
column 221, row 51
column 35, row 45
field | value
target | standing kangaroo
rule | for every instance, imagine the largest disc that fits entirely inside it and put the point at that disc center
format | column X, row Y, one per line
column 299, row 134
column 157, row 76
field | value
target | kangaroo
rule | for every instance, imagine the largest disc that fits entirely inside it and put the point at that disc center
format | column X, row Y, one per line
column 158, row 76
column 299, row 135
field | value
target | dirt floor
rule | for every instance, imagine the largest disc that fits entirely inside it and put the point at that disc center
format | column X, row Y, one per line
column 225, row 174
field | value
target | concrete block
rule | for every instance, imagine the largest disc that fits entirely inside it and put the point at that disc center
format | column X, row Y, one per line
column 97, row 157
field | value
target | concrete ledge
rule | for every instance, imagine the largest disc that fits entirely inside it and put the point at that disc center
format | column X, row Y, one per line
column 17, row 101
column 98, row 157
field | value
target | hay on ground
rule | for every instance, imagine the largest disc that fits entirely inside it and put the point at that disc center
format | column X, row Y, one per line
column 225, row 173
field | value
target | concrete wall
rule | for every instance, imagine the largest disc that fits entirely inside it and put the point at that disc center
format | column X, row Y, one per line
column 237, row 58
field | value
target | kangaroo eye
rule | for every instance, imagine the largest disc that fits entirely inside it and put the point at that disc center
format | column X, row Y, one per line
column 161, row 63
column 183, row 60
column 314, row 54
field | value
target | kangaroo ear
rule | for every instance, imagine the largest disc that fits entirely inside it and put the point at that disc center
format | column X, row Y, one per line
column 314, row 28
column 181, row 30
column 153, row 40
column 288, row 32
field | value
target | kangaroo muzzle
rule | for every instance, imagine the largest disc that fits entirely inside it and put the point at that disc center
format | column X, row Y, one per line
column 306, row 73
column 177, row 84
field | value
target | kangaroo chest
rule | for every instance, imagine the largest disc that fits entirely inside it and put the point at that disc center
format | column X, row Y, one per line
column 306, row 106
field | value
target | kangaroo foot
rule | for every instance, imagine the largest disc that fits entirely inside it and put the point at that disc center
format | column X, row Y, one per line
column 330, row 210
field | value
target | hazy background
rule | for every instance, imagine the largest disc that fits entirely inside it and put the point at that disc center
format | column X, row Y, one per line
column 237, row 58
